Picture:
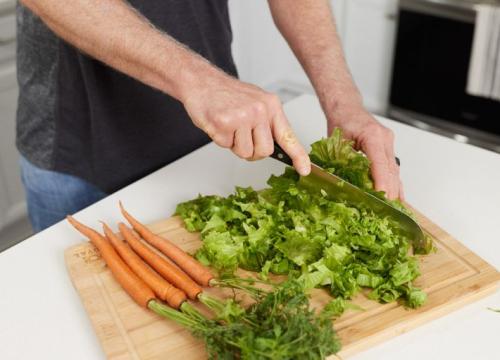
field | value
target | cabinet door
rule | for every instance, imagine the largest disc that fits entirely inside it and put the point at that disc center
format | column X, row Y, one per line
column 11, row 192
column 4, row 199
column 370, row 28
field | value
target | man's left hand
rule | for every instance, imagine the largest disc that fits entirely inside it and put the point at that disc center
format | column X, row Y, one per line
column 376, row 141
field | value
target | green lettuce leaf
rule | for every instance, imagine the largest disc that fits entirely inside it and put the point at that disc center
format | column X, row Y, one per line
column 284, row 229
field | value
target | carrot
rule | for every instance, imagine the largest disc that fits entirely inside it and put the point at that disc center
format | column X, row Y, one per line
column 134, row 286
column 165, row 291
column 197, row 271
column 169, row 271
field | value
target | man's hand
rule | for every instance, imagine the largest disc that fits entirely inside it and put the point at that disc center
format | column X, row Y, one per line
column 243, row 118
column 376, row 141
column 309, row 28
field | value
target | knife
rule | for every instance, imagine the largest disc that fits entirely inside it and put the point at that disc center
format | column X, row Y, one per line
column 320, row 180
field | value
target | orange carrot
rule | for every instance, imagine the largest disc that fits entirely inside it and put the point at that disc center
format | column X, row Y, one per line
column 165, row 291
column 169, row 271
column 197, row 271
column 134, row 286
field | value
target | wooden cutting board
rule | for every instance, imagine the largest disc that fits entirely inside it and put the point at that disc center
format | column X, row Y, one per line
column 452, row 277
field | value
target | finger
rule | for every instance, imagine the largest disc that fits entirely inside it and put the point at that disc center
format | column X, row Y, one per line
column 391, row 155
column 286, row 138
column 223, row 140
column 392, row 183
column 393, row 175
column 401, row 191
column 262, row 141
column 375, row 150
column 393, row 166
column 243, row 143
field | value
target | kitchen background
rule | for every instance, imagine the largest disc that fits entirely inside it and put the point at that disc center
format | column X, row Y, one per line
column 410, row 59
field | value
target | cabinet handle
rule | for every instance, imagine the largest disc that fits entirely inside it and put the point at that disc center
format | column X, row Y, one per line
column 7, row 41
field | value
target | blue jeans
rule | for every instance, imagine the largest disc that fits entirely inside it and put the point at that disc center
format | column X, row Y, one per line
column 52, row 195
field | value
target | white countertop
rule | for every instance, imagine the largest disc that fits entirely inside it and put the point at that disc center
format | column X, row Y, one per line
column 455, row 185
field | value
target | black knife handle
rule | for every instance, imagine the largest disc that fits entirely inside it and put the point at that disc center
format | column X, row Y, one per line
column 280, row 155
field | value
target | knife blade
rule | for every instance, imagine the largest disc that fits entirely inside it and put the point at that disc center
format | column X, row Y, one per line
column 322, row 182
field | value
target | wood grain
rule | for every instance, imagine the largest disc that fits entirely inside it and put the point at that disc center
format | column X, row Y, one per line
column 452, row 277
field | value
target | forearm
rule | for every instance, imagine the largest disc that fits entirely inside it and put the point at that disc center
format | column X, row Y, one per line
column 309, row 28
column 114, row 33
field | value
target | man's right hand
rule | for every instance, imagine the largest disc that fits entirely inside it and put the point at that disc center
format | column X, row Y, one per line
column 243, row 118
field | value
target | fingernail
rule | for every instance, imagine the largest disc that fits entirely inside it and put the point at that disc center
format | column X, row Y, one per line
column 304, row 170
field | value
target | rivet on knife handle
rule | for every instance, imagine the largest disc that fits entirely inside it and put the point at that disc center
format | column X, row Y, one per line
column 281, row 155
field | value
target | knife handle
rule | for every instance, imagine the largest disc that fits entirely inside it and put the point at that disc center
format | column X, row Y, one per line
column 280, row 155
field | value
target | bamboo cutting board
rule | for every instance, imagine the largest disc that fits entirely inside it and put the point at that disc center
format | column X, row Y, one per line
column 452, row 277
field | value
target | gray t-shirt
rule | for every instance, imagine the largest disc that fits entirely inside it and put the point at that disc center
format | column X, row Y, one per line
column 79, row 116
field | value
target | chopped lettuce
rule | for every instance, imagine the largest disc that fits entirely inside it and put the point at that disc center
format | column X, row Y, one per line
column 284, row 229
column 337, row 306
column 337, row 155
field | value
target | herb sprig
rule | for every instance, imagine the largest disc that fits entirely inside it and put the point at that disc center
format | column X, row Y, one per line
column 279, row 325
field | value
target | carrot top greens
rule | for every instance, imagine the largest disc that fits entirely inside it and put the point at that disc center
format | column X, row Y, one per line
column 280, row 325
column 284, row 229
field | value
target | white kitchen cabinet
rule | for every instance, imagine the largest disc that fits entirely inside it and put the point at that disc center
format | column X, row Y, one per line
column 11, row 192
column 369, row 28
column 12, row 203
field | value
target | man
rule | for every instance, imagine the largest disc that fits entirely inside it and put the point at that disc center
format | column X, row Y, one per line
column 127, row 87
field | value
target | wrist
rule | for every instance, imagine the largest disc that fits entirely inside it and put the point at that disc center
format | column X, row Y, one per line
column 339, row 98
column 348, row 109
column 184, row 73
column 195, row 76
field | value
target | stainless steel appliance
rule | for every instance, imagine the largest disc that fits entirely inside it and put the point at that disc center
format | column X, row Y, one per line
column 428, row 90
